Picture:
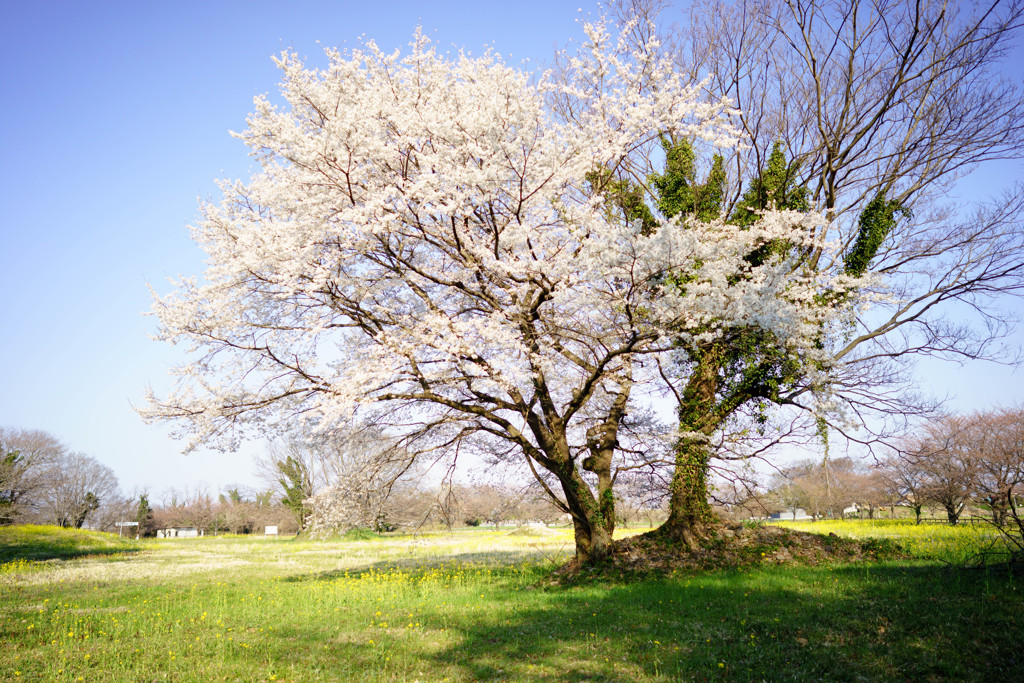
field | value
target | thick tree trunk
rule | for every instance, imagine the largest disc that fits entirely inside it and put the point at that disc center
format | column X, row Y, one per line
column 592, row 512
column 953, row 514
column 593, row 519
column 1000, row 508
column 593, row 542
column 601, row 465
column 689, row 511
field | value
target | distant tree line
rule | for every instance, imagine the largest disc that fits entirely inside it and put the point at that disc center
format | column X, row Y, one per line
column 42, row 481
column 235, row 510
column 405, row 507
column 360, row 478
column 953, row 463
column 962, row 460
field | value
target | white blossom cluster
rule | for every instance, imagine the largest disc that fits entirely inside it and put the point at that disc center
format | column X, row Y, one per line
column 349, row 503
column 423, row 232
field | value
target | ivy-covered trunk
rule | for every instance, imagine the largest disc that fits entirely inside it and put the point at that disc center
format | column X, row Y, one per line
column 689, row 511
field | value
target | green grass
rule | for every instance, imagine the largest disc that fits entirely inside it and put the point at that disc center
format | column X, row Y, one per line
column 30, row 542
column 478, row 606
column 960, row 544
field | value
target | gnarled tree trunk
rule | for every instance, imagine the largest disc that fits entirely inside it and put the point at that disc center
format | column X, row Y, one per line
column 593, row 518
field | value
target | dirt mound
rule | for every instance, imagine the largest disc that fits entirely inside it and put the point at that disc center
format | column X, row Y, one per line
column 730, row 546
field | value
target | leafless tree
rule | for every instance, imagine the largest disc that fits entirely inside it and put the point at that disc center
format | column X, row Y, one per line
column 495, row 503
column 26, row 455
column 996, row 439
column 41, row 481
column 880, row 108
column 942, row 453
column 239, row 510
column 537, row 506
column 187, row 508
column 742, row 496
column 893, row 99
column 955, row 459
column 787, row 491
column 449, row 505
column 75, row 486
column 904, row 482
column 824, row 488
column 869, row 491
column 114, row 510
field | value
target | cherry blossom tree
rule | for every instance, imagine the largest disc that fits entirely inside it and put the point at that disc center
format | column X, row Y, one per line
column 353, row 462
column 430, row 238
column 355, row 473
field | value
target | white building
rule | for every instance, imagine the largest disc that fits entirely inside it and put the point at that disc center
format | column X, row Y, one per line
column 795, row 514
column 178, row 532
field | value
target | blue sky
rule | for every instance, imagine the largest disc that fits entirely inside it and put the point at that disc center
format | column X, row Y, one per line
column 114, row 124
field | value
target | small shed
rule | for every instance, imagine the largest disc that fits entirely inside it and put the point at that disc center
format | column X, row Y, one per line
column 178, row 532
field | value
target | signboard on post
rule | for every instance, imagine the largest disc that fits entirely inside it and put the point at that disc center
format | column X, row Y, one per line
column 270, row 531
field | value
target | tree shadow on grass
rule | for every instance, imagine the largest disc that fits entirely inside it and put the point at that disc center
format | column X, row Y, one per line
column 859, row 622
column 875, row 622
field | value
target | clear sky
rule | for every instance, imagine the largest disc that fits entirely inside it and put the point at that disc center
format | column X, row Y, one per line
column 114, row 124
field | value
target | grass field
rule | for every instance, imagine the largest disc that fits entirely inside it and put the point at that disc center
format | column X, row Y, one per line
column 29, row 543
column 478, row 605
